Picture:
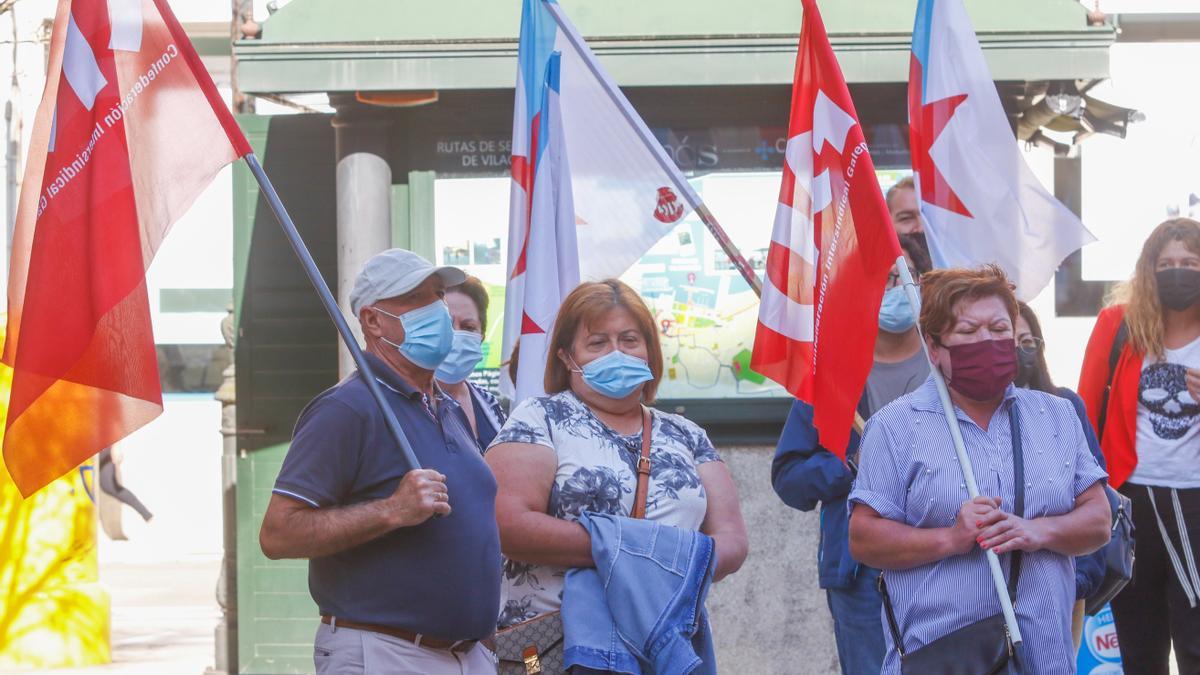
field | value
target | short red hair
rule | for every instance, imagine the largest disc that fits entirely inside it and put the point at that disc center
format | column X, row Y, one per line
column 942, row 289
column 584, row 306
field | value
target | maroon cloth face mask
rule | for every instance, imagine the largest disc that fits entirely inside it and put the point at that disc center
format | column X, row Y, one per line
column 982, row 370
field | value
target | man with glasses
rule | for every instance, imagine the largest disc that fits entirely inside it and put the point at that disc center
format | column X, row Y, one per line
column 804, row 474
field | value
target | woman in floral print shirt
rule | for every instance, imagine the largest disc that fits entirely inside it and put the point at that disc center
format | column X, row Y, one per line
column 576, row 450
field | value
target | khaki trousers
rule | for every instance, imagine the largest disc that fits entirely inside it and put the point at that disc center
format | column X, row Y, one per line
column 346, row 651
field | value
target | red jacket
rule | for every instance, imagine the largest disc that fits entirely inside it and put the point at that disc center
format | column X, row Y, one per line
column 1119, row 442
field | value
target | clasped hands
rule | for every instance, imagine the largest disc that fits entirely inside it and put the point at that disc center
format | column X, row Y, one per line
column 982, row 523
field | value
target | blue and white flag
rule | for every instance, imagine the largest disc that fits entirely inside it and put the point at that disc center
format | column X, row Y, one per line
column 619, row 195
column 548, row 261
column 981, row 203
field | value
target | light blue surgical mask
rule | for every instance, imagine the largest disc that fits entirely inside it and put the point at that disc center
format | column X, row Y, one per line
column 616, row 374
column 895, row 313
column 466, row 353
column 428, row 334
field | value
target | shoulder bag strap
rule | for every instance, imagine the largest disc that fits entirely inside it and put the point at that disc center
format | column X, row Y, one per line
column 643, row 467
column 891, row 616
column 1014, row 421
column 1114, row 355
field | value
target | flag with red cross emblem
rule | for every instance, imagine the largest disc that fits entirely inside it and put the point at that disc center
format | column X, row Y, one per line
column 831, row 248
column 129, row 131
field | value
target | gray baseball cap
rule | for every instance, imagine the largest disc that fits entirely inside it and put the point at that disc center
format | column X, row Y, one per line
column 396, row 272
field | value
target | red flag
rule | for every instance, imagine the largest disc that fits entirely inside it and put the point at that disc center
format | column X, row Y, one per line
column 831, row 248
column 130, row 130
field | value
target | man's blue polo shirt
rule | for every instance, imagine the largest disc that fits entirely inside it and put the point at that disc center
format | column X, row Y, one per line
column 440, row 578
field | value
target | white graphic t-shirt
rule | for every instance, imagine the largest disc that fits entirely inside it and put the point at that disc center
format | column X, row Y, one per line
column 597, row 471
column 1168, row 424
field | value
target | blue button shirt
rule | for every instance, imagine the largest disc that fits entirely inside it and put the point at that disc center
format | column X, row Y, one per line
column 909, row 473
column 804, row 474
column 440, row 578
column 1089, row 569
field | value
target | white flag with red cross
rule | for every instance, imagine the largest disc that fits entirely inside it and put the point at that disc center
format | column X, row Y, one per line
column 624, row 193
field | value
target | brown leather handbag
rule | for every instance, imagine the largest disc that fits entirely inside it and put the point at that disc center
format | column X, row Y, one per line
column 535, row 647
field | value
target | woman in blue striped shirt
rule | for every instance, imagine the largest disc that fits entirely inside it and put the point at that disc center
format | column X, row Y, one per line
column 911, row 515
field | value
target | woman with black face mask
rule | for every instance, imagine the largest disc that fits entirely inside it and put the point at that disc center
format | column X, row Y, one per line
column 1141, row 384
column 1032, row 373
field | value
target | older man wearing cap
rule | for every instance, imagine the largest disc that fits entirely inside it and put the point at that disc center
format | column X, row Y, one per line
column 399, row 590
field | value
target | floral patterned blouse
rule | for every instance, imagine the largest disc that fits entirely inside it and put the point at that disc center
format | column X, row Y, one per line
column 597, row 471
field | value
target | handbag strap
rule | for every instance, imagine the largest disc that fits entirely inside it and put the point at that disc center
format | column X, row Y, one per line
column 891, row 615
column 643, row 467
column 1114, row 356
column 1014, row 422
column 1014, row 426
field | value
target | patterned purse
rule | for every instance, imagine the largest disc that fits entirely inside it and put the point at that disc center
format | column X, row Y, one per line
column 531, row 647
column 535, row 647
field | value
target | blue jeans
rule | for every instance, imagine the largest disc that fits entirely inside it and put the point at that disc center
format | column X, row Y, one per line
column 858, row 624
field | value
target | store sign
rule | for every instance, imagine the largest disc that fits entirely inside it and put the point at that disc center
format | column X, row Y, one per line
column 694, row 150
column 471, row 154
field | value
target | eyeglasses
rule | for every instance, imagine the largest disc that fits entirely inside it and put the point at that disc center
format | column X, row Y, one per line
column 1030, row 344
column 894, row 277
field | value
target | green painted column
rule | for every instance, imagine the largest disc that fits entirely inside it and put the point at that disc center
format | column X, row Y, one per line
column 421, row 214
column 413, row 215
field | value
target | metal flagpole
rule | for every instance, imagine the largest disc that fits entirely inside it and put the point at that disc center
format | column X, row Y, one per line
column 331, row 307
column 964, row 462
column 655, row 148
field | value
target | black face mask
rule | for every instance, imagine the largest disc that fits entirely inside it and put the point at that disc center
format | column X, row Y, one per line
column 1178, row 287
column 1027, row 365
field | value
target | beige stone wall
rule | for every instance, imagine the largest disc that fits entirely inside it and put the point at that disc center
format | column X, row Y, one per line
column 771, row 618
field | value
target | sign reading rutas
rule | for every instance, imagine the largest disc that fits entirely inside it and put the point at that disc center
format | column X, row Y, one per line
column 696, row 151
column 473, row 154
